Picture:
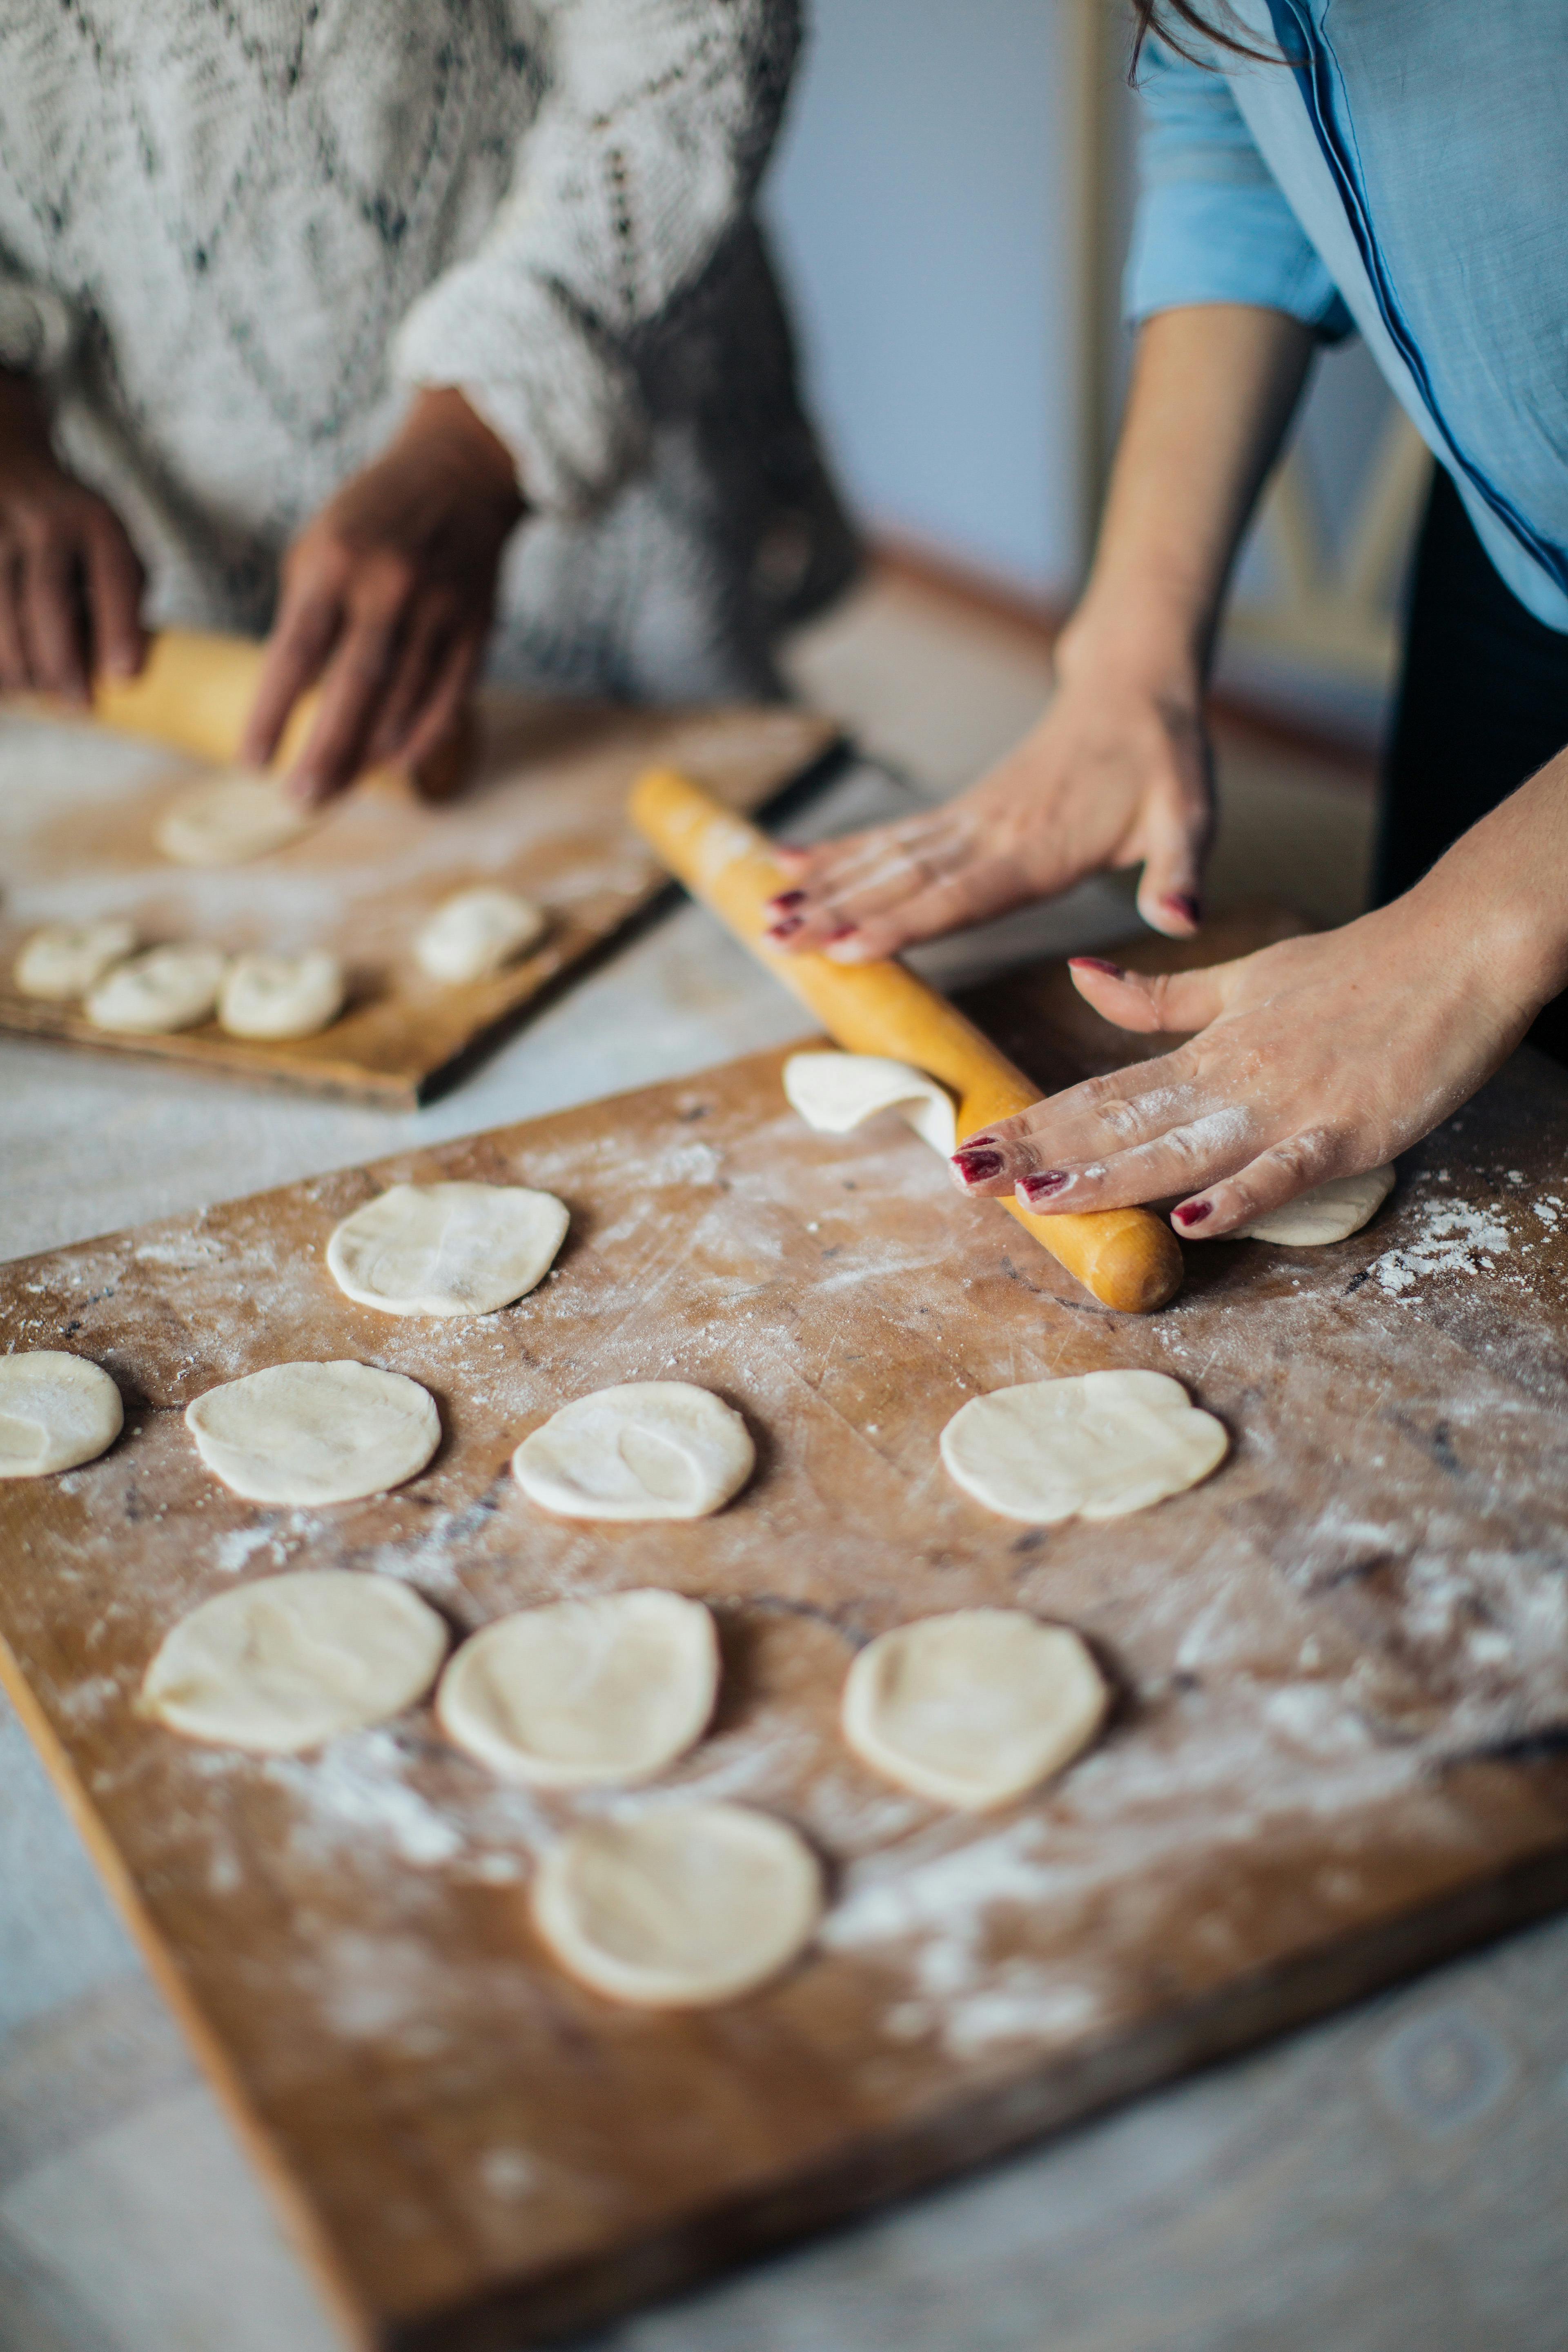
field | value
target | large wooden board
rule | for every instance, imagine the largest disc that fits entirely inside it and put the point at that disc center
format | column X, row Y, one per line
column 544, row 814
column 1342, row 1665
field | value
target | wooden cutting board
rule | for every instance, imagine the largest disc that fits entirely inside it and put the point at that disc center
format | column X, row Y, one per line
column 543, row 814
column 1340, row 1664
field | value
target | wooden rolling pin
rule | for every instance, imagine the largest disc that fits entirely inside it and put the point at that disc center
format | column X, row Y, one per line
column 196, row 690
column 1126, row 1258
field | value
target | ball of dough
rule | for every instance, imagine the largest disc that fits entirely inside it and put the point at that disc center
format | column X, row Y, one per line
column 63, row 960
column 447, row 1249
column 678, row 1908
column 160, row 990
column 284, row 1664
column 1089, row 1448
column 281, row 995
column 309, row 1433
column 228, row 820
column 475, row 933
column 583, row 1693
column 972, row 1708
column 1328, row 1212
column 56, row 1409
column 651, row 1450
column 833, row 1092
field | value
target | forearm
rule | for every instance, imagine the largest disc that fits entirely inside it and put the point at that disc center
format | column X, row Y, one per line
column 1500, row 896
column 1212, row 390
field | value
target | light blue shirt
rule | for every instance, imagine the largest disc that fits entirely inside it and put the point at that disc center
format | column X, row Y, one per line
column 1403, row 170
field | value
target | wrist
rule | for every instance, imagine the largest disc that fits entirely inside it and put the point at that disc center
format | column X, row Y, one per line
column 441, row 427
column 1497, row 924
column 1149, row 651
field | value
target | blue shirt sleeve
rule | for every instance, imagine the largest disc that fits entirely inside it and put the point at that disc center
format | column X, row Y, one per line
column 1212, row 224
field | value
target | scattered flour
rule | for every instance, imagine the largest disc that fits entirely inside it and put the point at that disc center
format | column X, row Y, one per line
column 1451, row 1238
column 355, row 1787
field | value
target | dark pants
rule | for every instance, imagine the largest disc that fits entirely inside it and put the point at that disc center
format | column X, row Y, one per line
column 1483, row 702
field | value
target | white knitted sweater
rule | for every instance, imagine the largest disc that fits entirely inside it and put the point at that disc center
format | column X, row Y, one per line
column 235, row 234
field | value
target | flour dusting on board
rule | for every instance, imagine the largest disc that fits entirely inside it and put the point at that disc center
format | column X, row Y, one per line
column 1451, row 1238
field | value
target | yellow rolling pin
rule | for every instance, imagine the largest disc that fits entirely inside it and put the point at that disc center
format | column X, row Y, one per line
column 1126, row 1258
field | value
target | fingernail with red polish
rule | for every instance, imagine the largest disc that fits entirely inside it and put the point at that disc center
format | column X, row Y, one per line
column 1097, row 963
column 1041, row 1187
column 786, row 927
column 844, row 931
column 787, row 898
column 1181, row 904
column 1193, row 1212
column 977, row 1167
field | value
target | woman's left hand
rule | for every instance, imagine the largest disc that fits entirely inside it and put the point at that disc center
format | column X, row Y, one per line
column 1318, row 1057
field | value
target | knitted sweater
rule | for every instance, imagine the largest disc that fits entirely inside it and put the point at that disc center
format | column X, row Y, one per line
column 236, row 235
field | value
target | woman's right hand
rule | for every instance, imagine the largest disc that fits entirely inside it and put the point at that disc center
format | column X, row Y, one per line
column 71, row 584
column 1116, row 773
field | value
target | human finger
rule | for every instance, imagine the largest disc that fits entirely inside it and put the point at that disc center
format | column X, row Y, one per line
column 1174, row 835
column 1153, row 1003
column 1276, row 1176
column 352, row 686
column 302, row 640
column 53, row 626
column 1082, row 1126
column 865, row 873
column 421, row 659
column 115, row 581
column 15, row 677
column 443, row 712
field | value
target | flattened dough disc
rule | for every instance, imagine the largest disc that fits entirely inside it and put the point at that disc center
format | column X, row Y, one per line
column 281, row 995
column 833, row 1092
column 1089, row 1448
column 56, row 1409
column 973, row 1708
column 307, row 1434
column 1328, row 1212
column 158, row 991
column 286, row 1662
column 447, row 1249
column 648, row 1450
column 63, row 960
column 603, row 1691
column 678, row 1908
column 477, row 932
column 228, row 820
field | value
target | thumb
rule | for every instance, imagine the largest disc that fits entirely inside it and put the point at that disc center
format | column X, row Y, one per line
column 1175, row 829
column 1152, row 1003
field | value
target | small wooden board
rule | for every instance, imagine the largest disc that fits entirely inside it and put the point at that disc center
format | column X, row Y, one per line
column 1340, row 1665
column 543, row 814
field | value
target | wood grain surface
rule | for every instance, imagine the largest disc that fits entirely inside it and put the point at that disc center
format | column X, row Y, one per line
column 542, row 813
column 1340, row 1664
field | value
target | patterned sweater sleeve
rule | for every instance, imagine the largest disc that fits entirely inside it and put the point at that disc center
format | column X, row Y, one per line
column 656, row 120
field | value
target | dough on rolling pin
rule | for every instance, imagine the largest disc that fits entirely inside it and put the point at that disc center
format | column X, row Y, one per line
column 650, row 1450
column 972, row 1708
column 228, row 820
column 447, row 1249
column 1091, row 1447
column 1328, row 1212
column 160, row 990
column 62, row 961
column 833, row 1092
column 284, row 1664
column 307, row 1433
column 582, row 1693
column 56, row 1409
column 679, row 1908
column 474, row 934
column 281, row 996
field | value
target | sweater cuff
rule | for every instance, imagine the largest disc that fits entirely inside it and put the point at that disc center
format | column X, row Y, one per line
column 1227, row 241
column 36, row 329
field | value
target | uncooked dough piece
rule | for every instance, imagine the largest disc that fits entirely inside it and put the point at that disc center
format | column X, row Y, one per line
column 582, row 1693
column 476, row 932
column 310, row 1434
column 833, row 1092
column 650, row 1450
column 228, row 820
column 56, row 1409
column 1328, row 1212
column 972, row 1708
column 447, row 1249
column 63, row 960
column 281, row 996
column 160, row 990
column 286, row 1662
column 680, row 1908
column 1089, row 1448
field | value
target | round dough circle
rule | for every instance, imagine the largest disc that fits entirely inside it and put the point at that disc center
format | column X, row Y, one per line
column 309, row 1433
column 1089, row 1448
column 228, row 820
column 64, row 961
column 680, row 1908
column 475, row 933
column 286, row 1662
column 649, row 1450
column 447, row 1249
column 160, row 990
column 972, row 1708
column 56, row 1409
column 582, row 1694
column 1328, row 1212
column 281, row 996
column 833, row 1092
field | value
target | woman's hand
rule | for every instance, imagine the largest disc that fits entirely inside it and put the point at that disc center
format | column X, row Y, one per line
column 387, row 599
column 1319, row 1057
column 1116, row 773
column 71, row 584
